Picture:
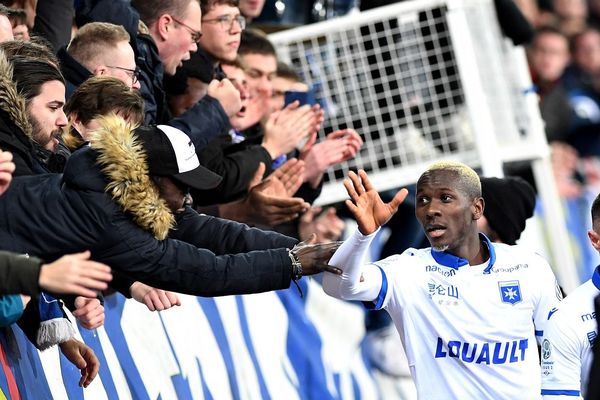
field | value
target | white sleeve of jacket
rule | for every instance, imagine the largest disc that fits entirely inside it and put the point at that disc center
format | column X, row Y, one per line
column 358, row 281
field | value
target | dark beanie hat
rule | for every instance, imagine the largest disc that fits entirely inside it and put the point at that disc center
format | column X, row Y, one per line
column 509, row 202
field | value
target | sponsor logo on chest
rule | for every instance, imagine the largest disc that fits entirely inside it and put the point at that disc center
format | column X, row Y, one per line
column 443, row 293
column 444, row 271
column 483, row 352
column 512, row 268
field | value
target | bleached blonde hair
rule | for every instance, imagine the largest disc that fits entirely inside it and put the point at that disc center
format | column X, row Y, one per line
column 466, row 175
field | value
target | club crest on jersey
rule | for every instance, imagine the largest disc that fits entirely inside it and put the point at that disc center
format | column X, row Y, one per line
column 510, row 292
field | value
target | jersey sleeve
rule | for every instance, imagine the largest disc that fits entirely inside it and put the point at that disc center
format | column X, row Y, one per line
column 358, row 281
column 560, row 360
column 549, row 296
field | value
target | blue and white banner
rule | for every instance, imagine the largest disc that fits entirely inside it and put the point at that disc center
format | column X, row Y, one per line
column 265, row 346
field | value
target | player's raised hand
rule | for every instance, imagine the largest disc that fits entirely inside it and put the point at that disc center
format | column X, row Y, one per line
column 365, row 204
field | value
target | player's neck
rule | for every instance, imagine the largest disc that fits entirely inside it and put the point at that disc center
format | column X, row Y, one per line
column 483, row 254
column 474, row 250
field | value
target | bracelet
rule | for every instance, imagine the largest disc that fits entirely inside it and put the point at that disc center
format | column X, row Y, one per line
column 296, row 266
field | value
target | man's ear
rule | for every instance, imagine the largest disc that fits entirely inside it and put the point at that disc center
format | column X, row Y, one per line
column 478, row 207
column 594, row 239
column 163, row 26
column 75, row 122
column 100, row 70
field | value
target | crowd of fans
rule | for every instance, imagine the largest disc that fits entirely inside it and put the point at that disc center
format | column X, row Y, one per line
column 127, row 127
column 564, row 59
column 120, row 127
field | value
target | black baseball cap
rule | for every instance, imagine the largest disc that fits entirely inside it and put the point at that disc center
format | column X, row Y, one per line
column 170, row 152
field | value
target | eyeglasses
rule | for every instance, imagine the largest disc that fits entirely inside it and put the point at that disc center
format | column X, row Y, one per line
column 226, row 21
column 133, row 73
column 196, row 35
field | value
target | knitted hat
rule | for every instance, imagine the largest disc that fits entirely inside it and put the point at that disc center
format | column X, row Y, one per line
column 509, row 202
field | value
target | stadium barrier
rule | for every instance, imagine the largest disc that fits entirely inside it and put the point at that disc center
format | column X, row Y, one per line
column 272, row 345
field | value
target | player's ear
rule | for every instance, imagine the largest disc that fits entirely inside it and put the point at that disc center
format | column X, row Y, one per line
column 477, row 207
column 594, row 239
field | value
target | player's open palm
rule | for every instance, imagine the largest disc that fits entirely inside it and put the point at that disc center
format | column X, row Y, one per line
column 366, row 205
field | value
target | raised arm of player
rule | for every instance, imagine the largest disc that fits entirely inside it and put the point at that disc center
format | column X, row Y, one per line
column 359, row 281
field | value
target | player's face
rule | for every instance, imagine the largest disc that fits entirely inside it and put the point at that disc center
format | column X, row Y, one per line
column 444, row 210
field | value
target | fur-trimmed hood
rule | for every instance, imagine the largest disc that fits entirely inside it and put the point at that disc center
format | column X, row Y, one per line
column 11, row 102
column 122, row 159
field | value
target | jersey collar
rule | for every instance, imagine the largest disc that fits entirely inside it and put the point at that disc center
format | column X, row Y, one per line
column 452, row 261
column 596, row 277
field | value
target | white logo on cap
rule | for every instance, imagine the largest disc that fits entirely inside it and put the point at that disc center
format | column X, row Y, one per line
column 185, row 152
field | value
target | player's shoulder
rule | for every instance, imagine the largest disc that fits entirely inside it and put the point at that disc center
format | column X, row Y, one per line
column 408, row 259
column 408, row 256
column 519, row 254
column 419, row 253
column 582, row 298
column 577, row 307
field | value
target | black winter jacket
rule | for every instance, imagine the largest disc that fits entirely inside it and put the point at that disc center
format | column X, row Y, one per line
column 236, row 163
column 14, row 140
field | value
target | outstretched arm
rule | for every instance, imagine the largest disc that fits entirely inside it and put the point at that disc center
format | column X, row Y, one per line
column 359, row 281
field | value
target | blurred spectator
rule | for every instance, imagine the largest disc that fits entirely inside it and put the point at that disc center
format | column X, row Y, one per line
column 513, row 22
column 571, row 15
column 582, row 81
column 49, row 19
column 18, row 20
column 548, row 57
column 531, row 11
column 594, row 13
column 251, row 8
column 28, row 6
column 235, row 73
column 260, row 59
column 286, row 79
column 6, row 33
column 565, row 159
column 236, row 160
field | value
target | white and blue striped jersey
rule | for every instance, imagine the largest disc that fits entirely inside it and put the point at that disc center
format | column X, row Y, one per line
column 468, row 330
column 567, row 346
